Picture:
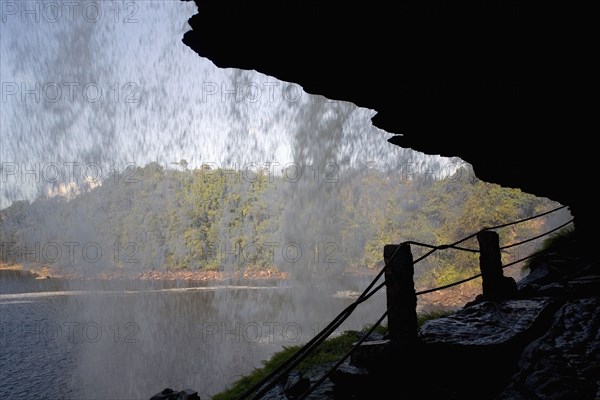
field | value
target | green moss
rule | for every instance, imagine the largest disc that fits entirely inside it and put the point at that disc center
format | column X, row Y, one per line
column 329, row 351
column 246, row 382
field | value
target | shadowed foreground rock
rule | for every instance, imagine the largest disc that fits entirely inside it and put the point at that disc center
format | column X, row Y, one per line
column 487, row 324
column 474, row 352
column 565, row 362
column 542, row 344
column 545, row 344
column 170, row 394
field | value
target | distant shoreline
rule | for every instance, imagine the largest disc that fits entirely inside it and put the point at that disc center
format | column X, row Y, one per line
column 50, row 272
column 453, row 297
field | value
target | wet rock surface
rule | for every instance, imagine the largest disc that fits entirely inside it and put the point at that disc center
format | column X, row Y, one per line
column 170, row 394
column 545, row 344
column 565, row 362
column 486, row 324
column 372, row 353
column 296, row 384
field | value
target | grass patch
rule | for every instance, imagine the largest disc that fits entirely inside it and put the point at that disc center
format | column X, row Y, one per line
column 330, row 350
column 563, row 239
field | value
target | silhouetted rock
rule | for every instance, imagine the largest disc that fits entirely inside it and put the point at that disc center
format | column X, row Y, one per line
column 372, row 353
column 485, row 324
column 166, row 394
column 188, row 394
column 542, row 275
column 170, row 394
column 276, row 393
column 296, row 384
column 373, row 336
column 350, row 375
column 351, row 381
column 565, row 362
column 506, row 85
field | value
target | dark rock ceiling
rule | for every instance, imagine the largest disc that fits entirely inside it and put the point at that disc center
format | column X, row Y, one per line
column 500, row 84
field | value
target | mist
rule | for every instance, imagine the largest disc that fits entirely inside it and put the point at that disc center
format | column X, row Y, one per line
column 89, row 101
column 123, row 154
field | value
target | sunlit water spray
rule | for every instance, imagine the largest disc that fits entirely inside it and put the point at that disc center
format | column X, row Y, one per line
column 106, row 124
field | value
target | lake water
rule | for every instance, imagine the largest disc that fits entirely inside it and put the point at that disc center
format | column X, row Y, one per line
column 131, row 339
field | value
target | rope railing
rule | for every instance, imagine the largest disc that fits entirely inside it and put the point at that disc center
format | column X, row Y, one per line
column 380, row 320
column 537, row 253
column 526, row 219
column 456, row 247
column 344, row 357
column 538, row 236
column 442, row 247
column 510, row 264
column 267, row 383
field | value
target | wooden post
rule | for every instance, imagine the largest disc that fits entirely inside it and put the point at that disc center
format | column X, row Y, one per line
column 401, row 297
column 495, row 285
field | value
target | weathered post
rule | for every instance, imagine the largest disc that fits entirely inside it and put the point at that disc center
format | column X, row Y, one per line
column 402, row 314
column 401, row 297
column 496, row 286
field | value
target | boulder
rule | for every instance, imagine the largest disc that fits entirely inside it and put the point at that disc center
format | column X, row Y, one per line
column 564, row 363
column 296, row 384
column 485, row 324
column 170, row 394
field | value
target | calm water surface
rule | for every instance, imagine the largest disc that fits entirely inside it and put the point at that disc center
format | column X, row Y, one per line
column 129, row 340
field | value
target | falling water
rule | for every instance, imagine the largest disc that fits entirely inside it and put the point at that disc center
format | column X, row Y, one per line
column 94, row 94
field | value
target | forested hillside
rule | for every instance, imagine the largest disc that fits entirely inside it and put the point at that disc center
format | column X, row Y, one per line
column 154, row 218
